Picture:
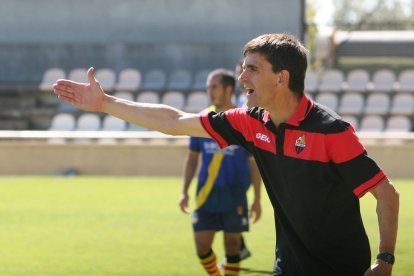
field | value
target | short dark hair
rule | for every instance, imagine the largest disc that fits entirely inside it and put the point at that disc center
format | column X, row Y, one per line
column 283, row 52
column 227, row 77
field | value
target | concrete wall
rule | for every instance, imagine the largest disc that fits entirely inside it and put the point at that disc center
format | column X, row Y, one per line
column 17, row 158
column 38, row 34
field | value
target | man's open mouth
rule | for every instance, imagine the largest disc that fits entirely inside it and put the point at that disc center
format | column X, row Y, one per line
column 249, row 91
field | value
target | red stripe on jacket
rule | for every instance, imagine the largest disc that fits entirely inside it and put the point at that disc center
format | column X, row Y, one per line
column 252, row 129
column 362, row 189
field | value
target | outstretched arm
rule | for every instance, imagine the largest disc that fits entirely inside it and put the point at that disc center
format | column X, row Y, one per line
column 91, row 97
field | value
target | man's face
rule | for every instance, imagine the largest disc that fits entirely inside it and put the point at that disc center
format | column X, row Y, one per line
column 216, row 91
column 258, row 80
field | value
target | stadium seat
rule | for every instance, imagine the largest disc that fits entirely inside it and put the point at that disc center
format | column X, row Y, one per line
column 331, row 81
column 406, row 81
column 402, row 104
column 196, row 101
column 111, row 123
column 79, row 75
column 329, row 100
column 174, row 98
column 377, row 103
column 372, row 123
column 398, row 123
column 352, row 103
column 88, row 121
column 353, row 120
column 154, row 80
column 50, row 76
column 200, row 80
column 62, row 121
column 148, row 97
column 383, row 80
column 126, row 95
column 179, row 80
column 311, row 82
column 106, row 78
column 129, row 79
column 357, row 81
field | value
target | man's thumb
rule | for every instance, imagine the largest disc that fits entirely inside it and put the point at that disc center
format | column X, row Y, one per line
column 91, row 77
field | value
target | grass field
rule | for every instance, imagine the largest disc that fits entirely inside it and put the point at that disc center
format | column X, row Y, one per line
column 133, row 226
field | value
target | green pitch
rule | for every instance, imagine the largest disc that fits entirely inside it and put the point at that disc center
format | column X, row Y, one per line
column 133, row 226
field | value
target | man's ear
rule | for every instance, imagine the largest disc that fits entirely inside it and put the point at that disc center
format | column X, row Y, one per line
column 283, row 77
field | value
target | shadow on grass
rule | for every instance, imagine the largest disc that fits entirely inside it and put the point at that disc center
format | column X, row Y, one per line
column 247, row 270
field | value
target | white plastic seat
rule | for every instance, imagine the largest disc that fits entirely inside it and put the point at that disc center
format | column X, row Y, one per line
column 331, row 81
column 106, row 78
column 174, row 98
column 196, row 101
column 62, row 122
column 329, row 100
column 402, row 104
column 179, row 80
column 200, row 80
column 111, row 123
column 154, row 80
column 311, row 82
column 148, row 97
column 377, row 103
column 372, row 123
column 406, row 81
column 353, row 120
column 383, row 80
column 79, row 75
column 351, row 104
column 88, row 121
column 50, row 76
column 398, row 123
column 124, row 95
column 357, row 80
column 129, row 79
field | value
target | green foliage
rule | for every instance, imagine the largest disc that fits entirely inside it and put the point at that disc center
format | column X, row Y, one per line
column 133, row 226
column 373, row 15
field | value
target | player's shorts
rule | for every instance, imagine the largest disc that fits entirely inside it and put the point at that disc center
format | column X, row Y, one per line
column 234, row 221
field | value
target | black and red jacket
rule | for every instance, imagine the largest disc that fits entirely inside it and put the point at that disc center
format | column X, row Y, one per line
column 314, row 169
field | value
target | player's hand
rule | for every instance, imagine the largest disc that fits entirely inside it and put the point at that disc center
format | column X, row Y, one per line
column 379, row 268
column 255, row 211
column 87, row 96
column 183, row 203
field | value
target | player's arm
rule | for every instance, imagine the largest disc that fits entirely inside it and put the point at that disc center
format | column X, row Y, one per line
column 91, row 97
column 387, row 210
column 256, row 209
column 190, row 168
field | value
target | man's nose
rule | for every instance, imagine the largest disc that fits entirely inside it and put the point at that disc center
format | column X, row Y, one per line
column 242, row 77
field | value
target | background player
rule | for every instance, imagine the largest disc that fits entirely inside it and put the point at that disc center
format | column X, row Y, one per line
column 225, row 175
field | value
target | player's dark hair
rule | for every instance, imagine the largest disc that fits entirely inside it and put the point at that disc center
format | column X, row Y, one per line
column 227, row 77
column 283, row 52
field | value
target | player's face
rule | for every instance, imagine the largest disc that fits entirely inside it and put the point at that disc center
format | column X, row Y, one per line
column 216, row 91
column 258, row 80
